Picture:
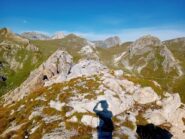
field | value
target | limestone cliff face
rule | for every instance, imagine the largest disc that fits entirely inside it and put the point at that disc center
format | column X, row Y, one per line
column 58, row 63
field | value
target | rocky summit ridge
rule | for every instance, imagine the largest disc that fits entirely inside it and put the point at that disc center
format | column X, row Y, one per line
column 59, row 96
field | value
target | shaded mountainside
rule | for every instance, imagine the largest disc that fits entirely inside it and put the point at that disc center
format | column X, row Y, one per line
column 56, row 88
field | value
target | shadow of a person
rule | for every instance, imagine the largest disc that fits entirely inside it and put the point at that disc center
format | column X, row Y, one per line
column 150, row 131
column 105, row 127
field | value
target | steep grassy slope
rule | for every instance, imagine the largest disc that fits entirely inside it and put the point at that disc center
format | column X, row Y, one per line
column 107, row 55
column 18, row 58
column 177, row 47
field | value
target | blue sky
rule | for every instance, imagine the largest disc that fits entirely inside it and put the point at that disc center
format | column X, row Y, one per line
column 96, row 19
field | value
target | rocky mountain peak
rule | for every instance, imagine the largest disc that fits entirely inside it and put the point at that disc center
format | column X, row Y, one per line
column 58, row 35
column 112, row 41
column 147, row 40
column 109, row 42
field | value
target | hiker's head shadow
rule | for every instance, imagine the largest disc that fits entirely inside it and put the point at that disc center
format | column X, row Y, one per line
column 104, row 105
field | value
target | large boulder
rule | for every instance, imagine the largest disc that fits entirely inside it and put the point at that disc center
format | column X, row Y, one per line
column 145, row 95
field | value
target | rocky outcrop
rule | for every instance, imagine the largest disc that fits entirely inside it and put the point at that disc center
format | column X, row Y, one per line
column 145, row 95
column 83, row 68
column 58, row 63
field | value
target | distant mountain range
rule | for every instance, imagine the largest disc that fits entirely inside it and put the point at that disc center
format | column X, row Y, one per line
column 109, row 42
column 41, row 36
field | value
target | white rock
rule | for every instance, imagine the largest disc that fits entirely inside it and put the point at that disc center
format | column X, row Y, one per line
column 118, row 73
column 145, row 95
column 155, row 117
column 86, row 49
column 86, row 68
column 90, row 121
column 73, row 119
column 34, row 114
column 34, row 129
column 56, row 105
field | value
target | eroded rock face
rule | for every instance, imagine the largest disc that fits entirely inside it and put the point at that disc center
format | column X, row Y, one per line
column 58, row 63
